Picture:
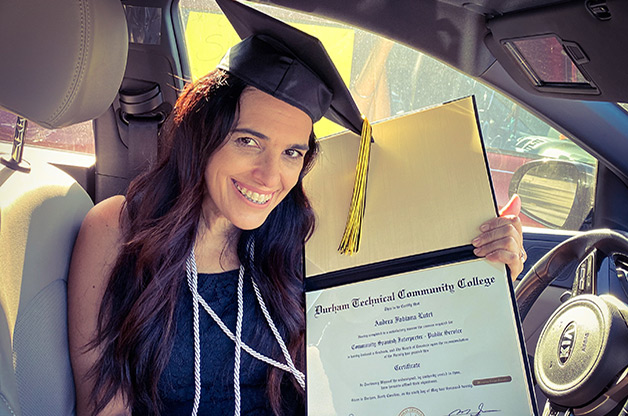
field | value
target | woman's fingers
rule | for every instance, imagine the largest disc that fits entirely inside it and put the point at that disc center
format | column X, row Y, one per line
column 498, row 228
column 501, row 239
column 507, row 244
column 505, row 249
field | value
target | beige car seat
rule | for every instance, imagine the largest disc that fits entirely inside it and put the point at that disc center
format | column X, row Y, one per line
column 62, row 63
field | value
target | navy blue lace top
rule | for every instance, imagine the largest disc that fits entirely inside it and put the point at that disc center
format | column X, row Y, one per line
column 176, row 386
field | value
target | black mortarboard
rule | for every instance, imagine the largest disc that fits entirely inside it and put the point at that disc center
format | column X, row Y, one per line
column 288, row 64
column 295, row 67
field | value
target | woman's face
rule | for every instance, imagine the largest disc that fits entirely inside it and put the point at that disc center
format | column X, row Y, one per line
column 258, row 163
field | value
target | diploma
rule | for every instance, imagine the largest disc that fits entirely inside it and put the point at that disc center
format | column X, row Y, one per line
column 418, row 343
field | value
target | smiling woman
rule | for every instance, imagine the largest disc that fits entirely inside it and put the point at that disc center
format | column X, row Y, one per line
column 225, row 201
column 191, row 201
column 219, row 222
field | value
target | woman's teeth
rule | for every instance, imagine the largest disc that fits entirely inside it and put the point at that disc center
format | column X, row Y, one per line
column 254, row 196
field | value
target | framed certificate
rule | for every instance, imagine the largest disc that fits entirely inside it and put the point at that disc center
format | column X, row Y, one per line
column 437, row 341
column 413, row 324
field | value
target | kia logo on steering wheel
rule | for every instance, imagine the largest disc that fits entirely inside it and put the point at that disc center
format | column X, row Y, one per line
column 565, row 345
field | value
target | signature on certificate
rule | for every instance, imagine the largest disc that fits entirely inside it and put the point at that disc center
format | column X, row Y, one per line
column 473, row 412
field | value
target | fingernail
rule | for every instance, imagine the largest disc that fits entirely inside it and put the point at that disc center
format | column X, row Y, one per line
column 476, row 251
column 484, row 227
column 475, row 241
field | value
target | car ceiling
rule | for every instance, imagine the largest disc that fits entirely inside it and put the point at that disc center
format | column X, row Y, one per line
column 455, row 31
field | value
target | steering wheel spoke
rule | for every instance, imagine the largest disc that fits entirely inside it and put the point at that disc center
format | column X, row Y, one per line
column 584, row 282
column 551, row 410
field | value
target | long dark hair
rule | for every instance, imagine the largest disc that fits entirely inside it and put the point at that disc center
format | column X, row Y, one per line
column 159, row 222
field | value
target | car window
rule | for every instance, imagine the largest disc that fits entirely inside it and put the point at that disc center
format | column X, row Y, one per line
column 76, row 138
column 389, row 79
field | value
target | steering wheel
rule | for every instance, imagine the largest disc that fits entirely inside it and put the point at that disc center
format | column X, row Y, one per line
column 581, row 359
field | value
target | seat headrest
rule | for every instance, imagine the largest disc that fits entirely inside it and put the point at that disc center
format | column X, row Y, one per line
column 62, row 60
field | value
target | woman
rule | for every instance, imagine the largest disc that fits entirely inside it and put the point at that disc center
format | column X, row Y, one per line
column 224, row 207
column 205, row 193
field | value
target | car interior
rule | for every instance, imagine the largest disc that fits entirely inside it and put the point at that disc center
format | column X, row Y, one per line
column 115, row 68
column 42, row 206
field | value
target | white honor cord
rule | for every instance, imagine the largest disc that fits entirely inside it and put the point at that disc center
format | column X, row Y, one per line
column 190, row 266
column 296, row 373
column 292, row 369
column 238, row 344
column 192, row 277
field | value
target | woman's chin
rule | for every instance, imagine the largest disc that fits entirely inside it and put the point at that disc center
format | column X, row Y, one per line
column 248, row 224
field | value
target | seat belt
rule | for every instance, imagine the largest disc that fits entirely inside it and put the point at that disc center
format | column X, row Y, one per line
column 15, row 161
column 143, row 114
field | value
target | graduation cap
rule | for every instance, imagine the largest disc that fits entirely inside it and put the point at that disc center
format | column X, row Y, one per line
column 294, row 67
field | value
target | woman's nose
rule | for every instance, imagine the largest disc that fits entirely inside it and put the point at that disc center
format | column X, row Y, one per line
column 268, row 171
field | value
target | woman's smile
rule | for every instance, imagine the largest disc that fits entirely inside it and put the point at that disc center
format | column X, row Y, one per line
column 253, row 196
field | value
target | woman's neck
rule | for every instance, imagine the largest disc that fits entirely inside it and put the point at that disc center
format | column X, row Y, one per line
column 216, row 247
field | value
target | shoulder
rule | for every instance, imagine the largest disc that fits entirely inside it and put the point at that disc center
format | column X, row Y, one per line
column 97, row 244
column 105, row 216
column 101, row 229
column 95, row 252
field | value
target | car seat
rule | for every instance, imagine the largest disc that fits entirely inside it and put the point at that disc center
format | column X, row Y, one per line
column 62, row 63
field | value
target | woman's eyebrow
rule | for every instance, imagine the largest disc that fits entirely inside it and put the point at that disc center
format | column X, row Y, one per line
column 251, row 132
column 303, row 147
column 262, row 136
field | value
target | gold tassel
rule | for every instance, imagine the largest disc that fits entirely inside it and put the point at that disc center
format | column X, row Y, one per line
column 350, row 242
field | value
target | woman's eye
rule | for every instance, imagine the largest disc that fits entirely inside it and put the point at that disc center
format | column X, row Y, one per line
column 294, row 153
column 246, row 141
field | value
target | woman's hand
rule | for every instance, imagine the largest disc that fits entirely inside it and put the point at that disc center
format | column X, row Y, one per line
column 502, row 238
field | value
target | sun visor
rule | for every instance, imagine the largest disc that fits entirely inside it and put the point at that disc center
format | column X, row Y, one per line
column 573, row 50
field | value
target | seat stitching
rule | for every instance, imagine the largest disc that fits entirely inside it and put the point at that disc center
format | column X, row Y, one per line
column 79, row 70
column 7, row 403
